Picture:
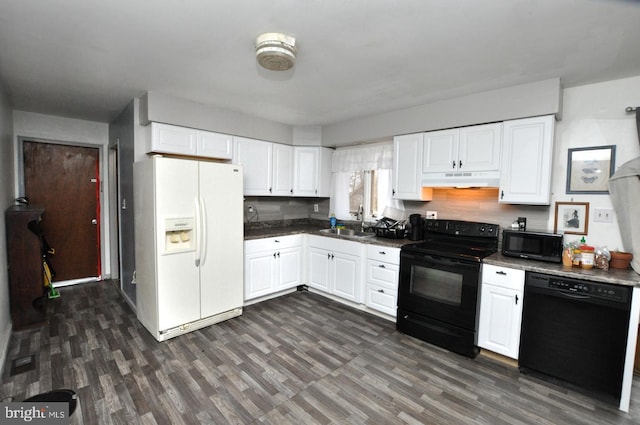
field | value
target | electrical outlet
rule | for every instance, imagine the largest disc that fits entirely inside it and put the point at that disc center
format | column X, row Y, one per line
column 603, row 215
column 315, row 207
column 432, row 215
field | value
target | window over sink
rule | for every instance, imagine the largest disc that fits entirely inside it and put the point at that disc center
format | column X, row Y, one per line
column 361, row 182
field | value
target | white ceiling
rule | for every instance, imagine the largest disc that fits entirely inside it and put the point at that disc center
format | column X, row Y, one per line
column 87, row 59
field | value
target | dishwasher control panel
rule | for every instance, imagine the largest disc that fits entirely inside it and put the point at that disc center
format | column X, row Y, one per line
column 599, row 290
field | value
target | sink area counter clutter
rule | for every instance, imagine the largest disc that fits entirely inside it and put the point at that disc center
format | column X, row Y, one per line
column 347, row 233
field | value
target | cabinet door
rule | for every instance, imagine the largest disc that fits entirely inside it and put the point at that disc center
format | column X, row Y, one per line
column 319, row 269
column 214, row 145
column 324, row 172
column 407, row 166
column 345, row 275
column 306, row 174
column 500, row 319
column 289, row 266
column 282, row 170
column 258, row 275
column 172, row 139
column 479, row 148
column 257, row 158
column 440, row 152
column 525, row 175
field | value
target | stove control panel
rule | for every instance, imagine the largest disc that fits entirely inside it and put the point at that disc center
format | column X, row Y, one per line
column 462, row 228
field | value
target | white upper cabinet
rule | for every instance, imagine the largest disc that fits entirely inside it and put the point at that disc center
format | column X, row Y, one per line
column 440, row 151
column 274, row 169
column 479, row 147
column 214, row 145
column 268, row 167
column 257, row 158
column 407, row 168
column 527, row 148
column 474, row 148
column 282, row 170
column 165, row 138
column 312, row 171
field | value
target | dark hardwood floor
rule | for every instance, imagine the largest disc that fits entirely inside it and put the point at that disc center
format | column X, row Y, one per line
column 298, row 359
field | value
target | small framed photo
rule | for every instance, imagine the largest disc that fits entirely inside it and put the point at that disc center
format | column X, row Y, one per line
column 589, row 169
column 572, row 218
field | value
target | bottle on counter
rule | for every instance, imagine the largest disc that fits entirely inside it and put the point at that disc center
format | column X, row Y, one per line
column 567, row 256
column 333, row 221
column 588, row 256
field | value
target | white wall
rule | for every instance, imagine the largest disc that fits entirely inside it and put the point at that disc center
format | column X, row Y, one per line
column 51, row 128
column 6, row 199
column 594, row 115
column 171, row 110
column 525, row 100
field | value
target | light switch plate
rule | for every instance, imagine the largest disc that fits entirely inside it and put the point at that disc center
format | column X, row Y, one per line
column 603, row 215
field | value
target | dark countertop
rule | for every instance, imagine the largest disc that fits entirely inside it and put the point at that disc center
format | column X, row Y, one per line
column 269, row 232
column 618, row 277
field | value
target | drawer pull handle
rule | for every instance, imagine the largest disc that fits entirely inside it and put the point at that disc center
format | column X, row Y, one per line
column 516, row 300
column 502, row 273
column 381, row 266
column 382, row 253
column 381, row 291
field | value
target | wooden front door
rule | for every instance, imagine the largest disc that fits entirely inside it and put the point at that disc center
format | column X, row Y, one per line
column 64, row 180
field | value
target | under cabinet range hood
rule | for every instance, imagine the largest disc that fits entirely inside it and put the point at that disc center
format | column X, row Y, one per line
column 462, row 179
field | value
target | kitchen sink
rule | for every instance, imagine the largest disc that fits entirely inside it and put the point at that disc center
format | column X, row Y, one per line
column 348, row 233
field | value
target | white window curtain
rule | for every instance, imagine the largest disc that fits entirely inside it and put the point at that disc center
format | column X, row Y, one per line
column 377, row 157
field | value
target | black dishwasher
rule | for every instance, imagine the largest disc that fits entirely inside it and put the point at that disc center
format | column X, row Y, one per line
column 575, row 330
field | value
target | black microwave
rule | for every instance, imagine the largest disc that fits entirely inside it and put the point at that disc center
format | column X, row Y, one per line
column 532, row 245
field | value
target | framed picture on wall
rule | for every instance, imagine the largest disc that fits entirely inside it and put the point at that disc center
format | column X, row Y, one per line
column 571, row 218
column 589, row 169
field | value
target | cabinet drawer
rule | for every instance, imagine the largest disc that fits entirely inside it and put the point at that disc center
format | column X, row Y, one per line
column 383, row 253
column 503, row 277
column 382, row 274
column 381, row 299
column 274, row 243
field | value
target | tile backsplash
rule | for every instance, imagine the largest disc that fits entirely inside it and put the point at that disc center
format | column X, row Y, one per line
column 457, row 204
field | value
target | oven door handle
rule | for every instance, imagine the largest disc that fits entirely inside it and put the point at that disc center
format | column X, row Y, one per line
column 445, row 260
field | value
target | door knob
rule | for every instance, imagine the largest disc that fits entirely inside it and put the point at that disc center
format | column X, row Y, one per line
column 94, row 221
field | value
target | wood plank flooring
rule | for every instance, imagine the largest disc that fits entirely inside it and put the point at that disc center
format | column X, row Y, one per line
column 297, row 359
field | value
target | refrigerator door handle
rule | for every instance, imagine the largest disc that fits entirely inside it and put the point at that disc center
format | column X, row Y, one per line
column 198, row 230
column 203, row 233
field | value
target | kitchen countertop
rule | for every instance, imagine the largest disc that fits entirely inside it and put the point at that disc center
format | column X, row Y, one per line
column 618, row 277
column 269, row 232
column 615, row 276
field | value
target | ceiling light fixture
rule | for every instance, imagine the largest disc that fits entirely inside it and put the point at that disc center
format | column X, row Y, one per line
column 275, row 51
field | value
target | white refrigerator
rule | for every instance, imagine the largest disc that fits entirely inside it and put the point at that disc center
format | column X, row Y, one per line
column 189, row 244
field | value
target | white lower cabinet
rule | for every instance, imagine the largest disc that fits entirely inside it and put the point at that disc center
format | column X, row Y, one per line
column 272, row 265
column 383, row 264
column 501, row 298
column 335, row 267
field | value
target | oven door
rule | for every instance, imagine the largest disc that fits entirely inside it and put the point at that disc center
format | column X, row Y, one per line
column 441, row 288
